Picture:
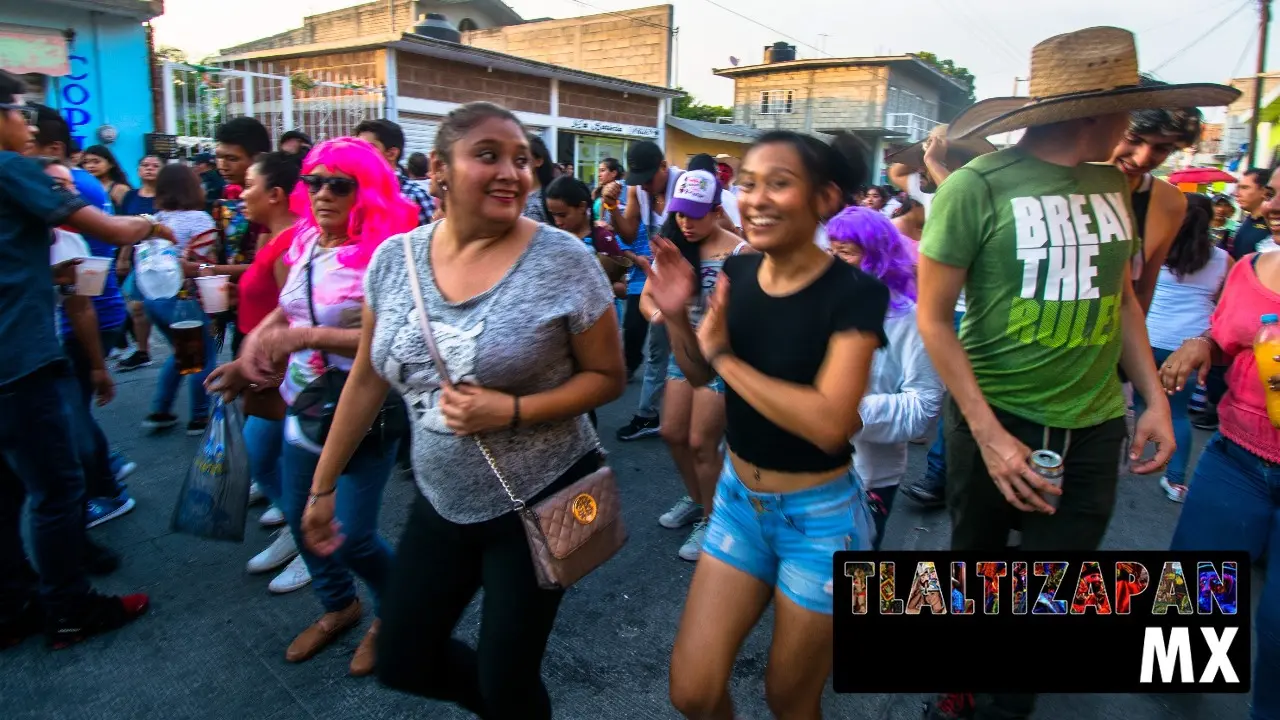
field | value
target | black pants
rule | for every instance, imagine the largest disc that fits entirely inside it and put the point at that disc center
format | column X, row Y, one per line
column 439, row 566
column 635, row 328
column 99, row 479
column 981, row 518
column 39, row 462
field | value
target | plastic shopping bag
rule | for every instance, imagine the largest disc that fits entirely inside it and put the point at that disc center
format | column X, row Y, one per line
column 157, row 269
column 214, row 501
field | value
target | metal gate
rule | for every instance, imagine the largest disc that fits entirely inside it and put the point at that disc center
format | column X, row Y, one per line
column 419, row 132
column 199, row 98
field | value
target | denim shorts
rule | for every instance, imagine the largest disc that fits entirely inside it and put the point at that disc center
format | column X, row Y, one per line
column 787, row 539
column 675, row 373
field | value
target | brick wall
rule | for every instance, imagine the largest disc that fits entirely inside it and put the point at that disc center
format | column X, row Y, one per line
column 634, row 49
column 449, row 81
column 593, row 103
column 823, row 98
column 358, row 67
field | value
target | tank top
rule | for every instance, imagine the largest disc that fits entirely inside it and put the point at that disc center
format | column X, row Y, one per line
column 1181, row 307
column 1141, row 200
column 708, row 273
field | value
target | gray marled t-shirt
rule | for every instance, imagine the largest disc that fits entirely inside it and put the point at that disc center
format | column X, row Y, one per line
column 514, row 337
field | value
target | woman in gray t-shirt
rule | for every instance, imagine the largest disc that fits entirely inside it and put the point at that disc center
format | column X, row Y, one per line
column 520, row 312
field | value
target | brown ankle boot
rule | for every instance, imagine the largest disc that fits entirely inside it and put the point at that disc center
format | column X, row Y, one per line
column 366, row 657
column 324, row 631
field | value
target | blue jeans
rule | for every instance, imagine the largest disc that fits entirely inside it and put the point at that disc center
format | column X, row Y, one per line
column 1177, row 470
column 161, row 314
column 786, row 539
column 264, row 441
column 359, row 500
column 100, row 477
column 40, row 423
column 935, row 476
column 1234, row 504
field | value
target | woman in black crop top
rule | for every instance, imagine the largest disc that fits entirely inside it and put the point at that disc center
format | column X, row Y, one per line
column 792, row 333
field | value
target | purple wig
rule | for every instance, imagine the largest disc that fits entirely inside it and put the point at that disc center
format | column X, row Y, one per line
column 884, row 250
column 379, row 211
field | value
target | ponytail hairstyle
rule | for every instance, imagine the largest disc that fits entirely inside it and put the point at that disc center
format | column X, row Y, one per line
column 845, row 164
column 280, row 170
column 571, row 191
column 1192, row 247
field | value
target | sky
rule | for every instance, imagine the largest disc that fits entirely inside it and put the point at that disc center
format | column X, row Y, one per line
column 1180, row 40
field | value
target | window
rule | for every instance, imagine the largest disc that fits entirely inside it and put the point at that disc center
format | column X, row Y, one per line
column 776, row 102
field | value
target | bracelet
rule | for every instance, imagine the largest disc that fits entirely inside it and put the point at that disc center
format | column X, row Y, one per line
column 654, row 316
column 515, row 411
column 311, row 500
column 1199, row 337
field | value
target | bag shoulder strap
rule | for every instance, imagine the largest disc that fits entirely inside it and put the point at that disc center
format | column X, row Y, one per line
column 311, row 305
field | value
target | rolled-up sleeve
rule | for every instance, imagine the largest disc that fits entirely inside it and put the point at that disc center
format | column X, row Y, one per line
column 28, row 189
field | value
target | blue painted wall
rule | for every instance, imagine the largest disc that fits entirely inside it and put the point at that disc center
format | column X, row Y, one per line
column 110, row 80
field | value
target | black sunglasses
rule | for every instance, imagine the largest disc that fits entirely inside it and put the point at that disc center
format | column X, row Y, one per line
column 339, row 186
column 29, row 114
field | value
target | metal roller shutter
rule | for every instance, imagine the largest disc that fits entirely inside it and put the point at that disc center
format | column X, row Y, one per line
column 419, row 133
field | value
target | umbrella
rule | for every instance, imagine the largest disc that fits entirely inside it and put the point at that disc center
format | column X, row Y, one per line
column 1199, row 176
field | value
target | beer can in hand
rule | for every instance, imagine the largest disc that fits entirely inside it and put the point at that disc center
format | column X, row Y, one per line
column 1048, row 465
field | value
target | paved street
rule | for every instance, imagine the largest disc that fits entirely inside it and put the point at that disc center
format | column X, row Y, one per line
column 213, row 644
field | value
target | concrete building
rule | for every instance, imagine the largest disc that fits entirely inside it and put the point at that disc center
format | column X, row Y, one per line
column 582, row 116
column 1235, row 131
column 890, row 101
column 91, row 59
column 686, row 138
column 631, row 45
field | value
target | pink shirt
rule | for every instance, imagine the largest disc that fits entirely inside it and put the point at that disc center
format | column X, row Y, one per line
column 1242, row 414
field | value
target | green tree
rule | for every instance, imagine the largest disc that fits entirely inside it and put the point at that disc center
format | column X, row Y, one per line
column 948, row 67
column 688, row 108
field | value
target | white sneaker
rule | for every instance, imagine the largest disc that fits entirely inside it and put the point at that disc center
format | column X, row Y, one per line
column 255, row 494
column 273, row 517
column 1174, row 491
column 277, row 555
column 294, row 577
column 692, row 547
column 682, row 513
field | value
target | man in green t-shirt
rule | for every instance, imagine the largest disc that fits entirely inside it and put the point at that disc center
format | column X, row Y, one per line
column 1042, row 240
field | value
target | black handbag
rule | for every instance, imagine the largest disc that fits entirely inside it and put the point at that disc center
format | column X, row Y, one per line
column 316, row 404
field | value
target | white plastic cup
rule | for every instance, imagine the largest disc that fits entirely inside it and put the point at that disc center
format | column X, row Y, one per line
column 91, row 275
column 213, row 293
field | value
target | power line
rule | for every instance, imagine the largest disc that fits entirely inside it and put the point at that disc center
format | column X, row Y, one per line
column 766, row 27
column 623, row 16
column 984, row 28
column 1235, row 72
column 1203, row 35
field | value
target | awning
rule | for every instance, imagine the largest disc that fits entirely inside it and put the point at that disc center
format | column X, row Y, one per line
column 33, row 50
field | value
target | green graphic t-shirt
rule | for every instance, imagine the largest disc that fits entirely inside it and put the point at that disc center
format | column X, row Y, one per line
column 1048, row 250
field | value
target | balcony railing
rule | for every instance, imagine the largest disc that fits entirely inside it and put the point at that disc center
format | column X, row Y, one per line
column 915, row 127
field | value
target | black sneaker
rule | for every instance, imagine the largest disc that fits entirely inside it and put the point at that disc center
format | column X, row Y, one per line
column 925, row 494
column 159, row 421
column 21, row 625
column 135, row 361
column 98, row 560
column 1208, row 420
column 638, row 429
column 196, row 428
column 96, row 614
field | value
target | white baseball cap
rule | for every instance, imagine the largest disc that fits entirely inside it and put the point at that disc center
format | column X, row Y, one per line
column 697, row 193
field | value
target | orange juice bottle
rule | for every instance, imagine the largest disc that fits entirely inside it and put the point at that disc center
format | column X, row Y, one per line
column 1266, row 350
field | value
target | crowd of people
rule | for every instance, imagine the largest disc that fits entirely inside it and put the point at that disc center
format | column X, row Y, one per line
column 784, row 316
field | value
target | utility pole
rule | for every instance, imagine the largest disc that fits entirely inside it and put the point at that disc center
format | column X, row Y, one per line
column 1264, row 9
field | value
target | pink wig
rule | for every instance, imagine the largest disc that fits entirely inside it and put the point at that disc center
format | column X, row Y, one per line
column 379, row 211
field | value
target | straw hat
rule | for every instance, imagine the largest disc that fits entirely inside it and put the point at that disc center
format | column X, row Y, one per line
column 959, row 152
column 1083, row 74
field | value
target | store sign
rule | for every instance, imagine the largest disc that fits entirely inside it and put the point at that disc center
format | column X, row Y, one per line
column 618, row 128
column 76, row 108
column 33, row 50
